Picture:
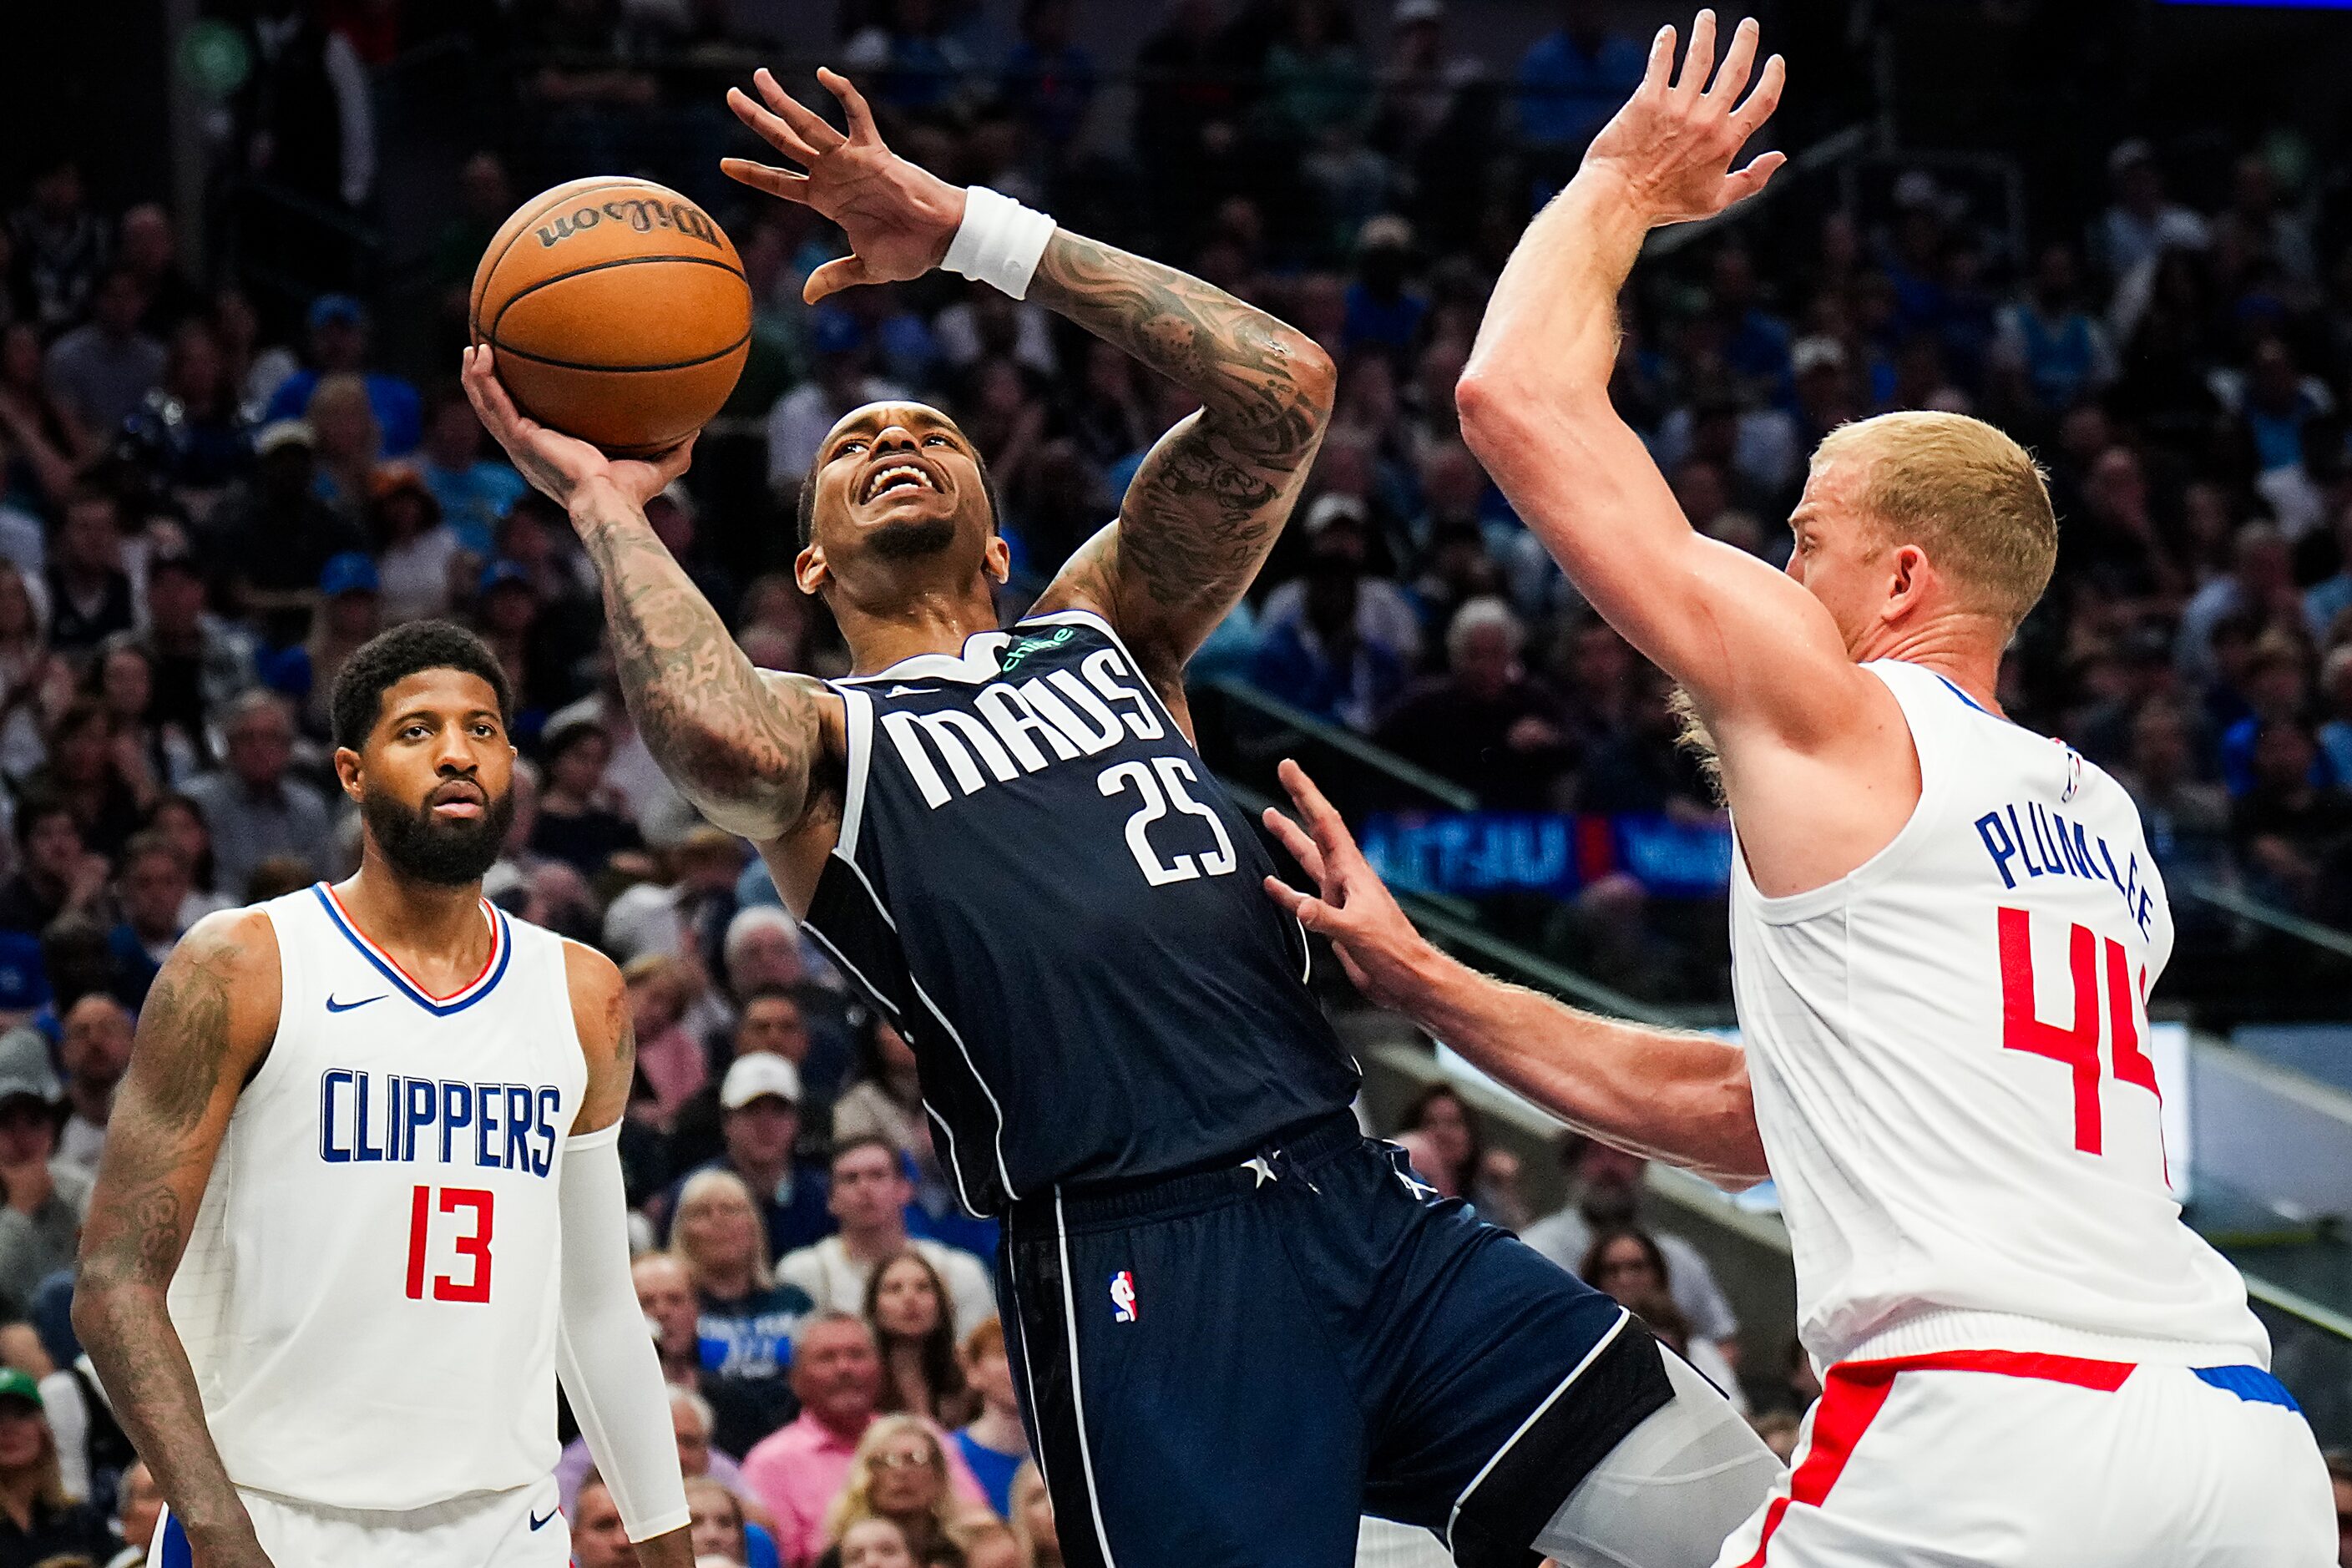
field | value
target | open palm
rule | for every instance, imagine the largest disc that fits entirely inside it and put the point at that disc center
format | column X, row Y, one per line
column 557, row 464
column 1673, row 141
column 898, row 217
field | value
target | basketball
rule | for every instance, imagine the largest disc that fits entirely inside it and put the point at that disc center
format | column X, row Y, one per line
column 617, row 311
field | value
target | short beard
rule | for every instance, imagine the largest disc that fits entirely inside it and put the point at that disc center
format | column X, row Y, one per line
column 427, row 849
column 912, row 541
column 1693, row 741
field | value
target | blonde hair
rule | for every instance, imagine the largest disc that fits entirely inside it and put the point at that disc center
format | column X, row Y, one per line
column 855, row 1501
column 1963, row 491
column 1029, row 1481
column 704, row 1185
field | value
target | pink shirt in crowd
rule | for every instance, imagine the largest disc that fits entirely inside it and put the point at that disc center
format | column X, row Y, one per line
column 799, row 1469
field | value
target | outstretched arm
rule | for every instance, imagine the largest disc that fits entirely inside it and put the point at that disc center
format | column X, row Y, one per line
column 1681, row 1097
column 737, row 744
column 205, row 1027
column 1214, row 493
column 1748, row 642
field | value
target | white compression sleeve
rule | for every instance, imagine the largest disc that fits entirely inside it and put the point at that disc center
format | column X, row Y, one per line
column 602, row 1352
column 1667, row 1495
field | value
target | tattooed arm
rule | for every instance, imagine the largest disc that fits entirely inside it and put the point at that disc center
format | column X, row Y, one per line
column 737, row 745
column 1214, row 491
column 204, row 1030
column 1212, row 496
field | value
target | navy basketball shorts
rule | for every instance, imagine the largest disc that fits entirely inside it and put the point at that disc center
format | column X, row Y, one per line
column 1223, row 1370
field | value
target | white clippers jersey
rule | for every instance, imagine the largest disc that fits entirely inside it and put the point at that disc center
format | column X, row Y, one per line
column 1947, row 1048
column 369, row 1294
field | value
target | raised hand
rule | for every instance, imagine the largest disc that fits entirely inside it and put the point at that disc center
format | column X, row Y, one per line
column 1378, row 946
column 558, row 465
column 1673, row 141
column 899, row 216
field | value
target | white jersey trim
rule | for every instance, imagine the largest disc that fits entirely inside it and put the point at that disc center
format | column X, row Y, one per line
column 857, row 713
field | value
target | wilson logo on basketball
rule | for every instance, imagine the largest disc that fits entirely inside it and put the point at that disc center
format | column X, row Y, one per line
column 642, row 214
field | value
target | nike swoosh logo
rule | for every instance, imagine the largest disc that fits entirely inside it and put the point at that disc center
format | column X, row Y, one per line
column 538, row 1521
column 335, row 1006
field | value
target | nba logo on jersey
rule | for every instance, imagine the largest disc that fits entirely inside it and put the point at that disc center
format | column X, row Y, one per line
column 2074, row 772
column 1122, row 1296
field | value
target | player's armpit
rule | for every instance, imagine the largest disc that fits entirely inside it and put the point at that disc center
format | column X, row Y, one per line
column 608, row 1037
column 203, row 1032
column 1214, row 491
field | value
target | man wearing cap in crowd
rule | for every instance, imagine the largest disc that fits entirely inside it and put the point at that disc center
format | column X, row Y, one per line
column 270, row 541
column 1334, row 641
column 339, row 343
column 254, row 810
column 36, row 1523
column 760, row 1123
column 349, row 612
column 839, row 382
column 40, row 1223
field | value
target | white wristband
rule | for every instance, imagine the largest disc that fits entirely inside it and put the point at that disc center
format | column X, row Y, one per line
column 999, row 241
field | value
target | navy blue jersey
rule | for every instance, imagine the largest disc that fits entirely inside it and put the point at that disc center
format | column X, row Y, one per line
column 1042, row 888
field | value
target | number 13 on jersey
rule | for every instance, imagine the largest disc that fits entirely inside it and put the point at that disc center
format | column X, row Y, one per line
column 471, row 1244
column 2118, row 1004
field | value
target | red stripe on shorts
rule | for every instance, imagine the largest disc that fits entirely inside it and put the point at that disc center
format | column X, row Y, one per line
column 1854, row 1391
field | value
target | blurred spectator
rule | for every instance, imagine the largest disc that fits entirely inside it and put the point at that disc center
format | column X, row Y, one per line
column 474, row 491
column 42, row 441
column 305, row 116
column 2294, row 832
column 338, row 346
column 1575, row 78
column 138, row 1510
column 190, row 430
column 885, row 1101
column 716, row 1517
column 182, row 821
column 96, row 1463
column 95, row 1051
column 1336, row 643
column 2060, row 347
column 907, row 1307
column 872, row 1541
column 910, row 60
column 47, row 1196
column 869, row 1196
column 2143, row 222
column 84, row 771
column 1485, row 723
column 900, row 1474
column 1629, row 1264
column 669, row 1059
column 251, row 808
column 747, row 1315
column 416, row 553
column 104, row 369
column 151, row 253
column 1779, row 1429
column 599, row 1539
column 760, row 1121
column 1607, row 1184
column 90, row 593
column 577, row 822
column 801, row 1469
column 2339, row 1475
column 347, row 445
column 1384, row 314
column 1033, row 1517
column 2259, row 588
column 58, row 245
column 985, row 1541
column 198, row 661
column 1049, row 80
column 153, row 886
column 57, row 874
column 271, row 539
column 994, row 1443
column 36, row 1523
column 350, row 611
column 2335, row 736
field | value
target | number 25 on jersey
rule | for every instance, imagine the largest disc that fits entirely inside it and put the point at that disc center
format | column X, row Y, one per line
column 2077, row 1043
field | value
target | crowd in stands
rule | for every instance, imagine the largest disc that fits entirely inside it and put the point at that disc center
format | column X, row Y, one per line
column 212, row 490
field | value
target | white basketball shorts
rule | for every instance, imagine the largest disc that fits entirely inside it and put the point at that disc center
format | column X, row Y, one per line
column 523, row 1527
column 2004, row 1460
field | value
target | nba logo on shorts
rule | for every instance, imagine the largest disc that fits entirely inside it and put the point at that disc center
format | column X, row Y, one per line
column 1122, row 1296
